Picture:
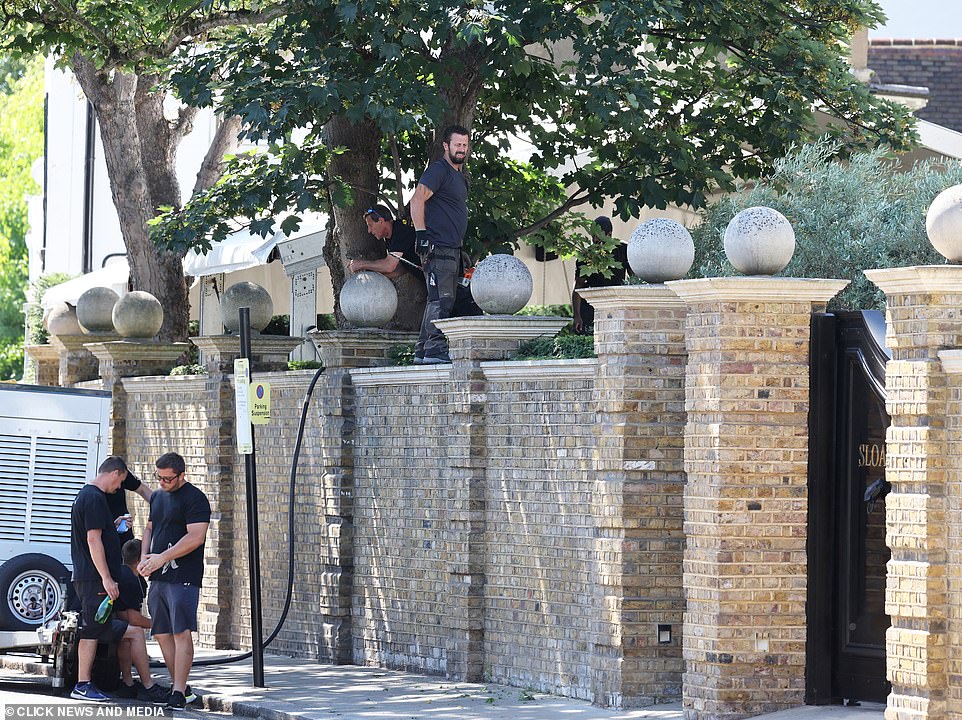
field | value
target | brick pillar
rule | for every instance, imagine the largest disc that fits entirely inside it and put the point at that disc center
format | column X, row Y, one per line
column 77, row 363
column 637, row 504
column 472, row 340
column 44, row 365
column 129, row 358
column 341, row 351
column 922, row 318
column 747, row 388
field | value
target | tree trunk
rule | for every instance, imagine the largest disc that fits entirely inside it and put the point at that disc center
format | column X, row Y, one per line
column 348, row 237
column 140, row 149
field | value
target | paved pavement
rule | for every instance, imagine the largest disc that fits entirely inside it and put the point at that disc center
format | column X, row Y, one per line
column 303, row 690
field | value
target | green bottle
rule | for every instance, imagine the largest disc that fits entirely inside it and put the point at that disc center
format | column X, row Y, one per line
column 103, row 612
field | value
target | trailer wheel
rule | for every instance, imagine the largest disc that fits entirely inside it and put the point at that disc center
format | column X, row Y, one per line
column 31, row 590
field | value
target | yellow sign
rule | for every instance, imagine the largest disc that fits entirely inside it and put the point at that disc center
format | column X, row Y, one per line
column 260, row 403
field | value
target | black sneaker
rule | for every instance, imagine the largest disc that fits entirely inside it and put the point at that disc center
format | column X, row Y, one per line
column 176, row 700
column 156, row 694
column 128, row 692
column 189, row 695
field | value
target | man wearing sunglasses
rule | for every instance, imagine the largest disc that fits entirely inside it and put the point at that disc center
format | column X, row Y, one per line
column 173, row 544
column 439, row 211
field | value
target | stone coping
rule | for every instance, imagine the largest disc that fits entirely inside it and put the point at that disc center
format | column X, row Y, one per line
column 260, row 344
column 613, row 297
column 506, row 370
column 917, row 279
column 41, row 352
column 951, row 361
column 137, row 350
column 373, row 338
column 757, row 288
column 161, row 383
column 79, row 342
column 503, row 370
column 401, row 375
column 501, row 327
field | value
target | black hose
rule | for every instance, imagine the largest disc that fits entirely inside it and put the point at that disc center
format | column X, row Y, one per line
column 224, row 659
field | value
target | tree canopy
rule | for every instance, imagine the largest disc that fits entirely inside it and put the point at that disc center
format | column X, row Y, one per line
column 115, row 50
column 644, row 102
column 21, row 143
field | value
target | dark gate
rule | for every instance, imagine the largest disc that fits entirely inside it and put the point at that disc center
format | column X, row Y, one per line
column 846, row 513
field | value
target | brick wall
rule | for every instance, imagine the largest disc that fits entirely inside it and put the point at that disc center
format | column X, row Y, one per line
column 935, row 64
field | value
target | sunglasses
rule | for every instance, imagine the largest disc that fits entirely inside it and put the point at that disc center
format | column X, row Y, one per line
column 373, row 214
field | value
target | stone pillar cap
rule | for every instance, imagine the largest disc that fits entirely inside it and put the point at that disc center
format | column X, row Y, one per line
column 917, row 279
column 501, row 327
column 631, row 296
column 757, row 289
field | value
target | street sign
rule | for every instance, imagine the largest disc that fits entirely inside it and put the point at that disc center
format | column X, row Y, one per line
column 242, row 412
column 260, row 403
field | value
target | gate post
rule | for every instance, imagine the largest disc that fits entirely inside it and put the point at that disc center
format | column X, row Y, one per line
column 746, row 504
column 922, row 318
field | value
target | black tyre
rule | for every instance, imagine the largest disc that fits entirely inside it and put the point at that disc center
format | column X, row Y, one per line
column 31, row 590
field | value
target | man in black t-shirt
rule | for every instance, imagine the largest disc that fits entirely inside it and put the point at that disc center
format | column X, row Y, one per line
column 117, row 502
column 174, row 561
column 399, row 236
column 95, row 553
column 439, row 211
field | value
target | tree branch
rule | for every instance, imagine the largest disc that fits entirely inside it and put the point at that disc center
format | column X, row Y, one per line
column 225, row 141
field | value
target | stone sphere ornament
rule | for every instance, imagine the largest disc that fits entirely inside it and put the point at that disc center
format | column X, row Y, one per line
column 943, row 223
column 368, row 300
column 249, row 295
column 62, row 320
column 95, row 310
column 501, row 284
column 759, row 241
column 661, row 249
column 138, row 314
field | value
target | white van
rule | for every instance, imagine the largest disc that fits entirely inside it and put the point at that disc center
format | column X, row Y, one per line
column 51, row 442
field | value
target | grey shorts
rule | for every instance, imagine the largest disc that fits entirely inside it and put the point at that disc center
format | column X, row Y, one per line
column 173, row 607
column 91, row 594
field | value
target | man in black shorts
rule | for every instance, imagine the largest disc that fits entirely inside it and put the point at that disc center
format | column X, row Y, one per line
column 95, row 553
column 174, row 561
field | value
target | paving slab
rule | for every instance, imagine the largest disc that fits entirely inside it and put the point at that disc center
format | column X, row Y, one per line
column 298, row 689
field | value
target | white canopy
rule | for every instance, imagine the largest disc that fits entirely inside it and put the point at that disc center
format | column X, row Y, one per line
column 238, row 251
column 115, row 275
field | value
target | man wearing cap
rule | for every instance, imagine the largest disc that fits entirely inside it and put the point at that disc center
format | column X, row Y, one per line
column 439, row 211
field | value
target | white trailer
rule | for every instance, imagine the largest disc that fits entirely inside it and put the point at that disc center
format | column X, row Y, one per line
column 51, row 442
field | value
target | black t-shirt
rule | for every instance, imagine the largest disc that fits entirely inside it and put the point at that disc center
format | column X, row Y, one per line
column 117, row 502
column 131, row 591
column 618, row 273
column 170, row 514
column 402, row 241
column 446, row 211
column 90, row 512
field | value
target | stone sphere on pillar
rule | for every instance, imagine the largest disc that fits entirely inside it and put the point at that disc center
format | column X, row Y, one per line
column 661, row 249
column 138, row 314
column 501, row 284
column 368, row 300
column 62, row 320
column 759, row 241
column 943, row 223
column 95, row 310
column 249, row 295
